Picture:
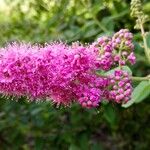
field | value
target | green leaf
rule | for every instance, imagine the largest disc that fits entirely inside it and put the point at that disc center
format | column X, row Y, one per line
column 139, row 93
column 108, row 23
column 73, row 147
column 146, row 7
column 84, row 142
column 128, row 104
column 110, row 115
column 142, row 91
column 97, row 146
column 36, row 111
column 91, row 32
column 97, row 7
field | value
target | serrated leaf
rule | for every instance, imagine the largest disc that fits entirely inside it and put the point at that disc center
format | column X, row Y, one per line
column 139, row 93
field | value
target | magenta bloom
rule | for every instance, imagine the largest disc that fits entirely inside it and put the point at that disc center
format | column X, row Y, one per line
column 122, row 41
column 64, row 74
column 105, row 54
column 121, row 87
column 56, row 71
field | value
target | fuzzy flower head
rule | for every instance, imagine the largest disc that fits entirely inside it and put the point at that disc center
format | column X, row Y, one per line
column 64, row 73
column 57, row 72
column 17, row 61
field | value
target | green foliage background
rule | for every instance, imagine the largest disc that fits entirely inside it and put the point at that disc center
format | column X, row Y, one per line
column 32, row 126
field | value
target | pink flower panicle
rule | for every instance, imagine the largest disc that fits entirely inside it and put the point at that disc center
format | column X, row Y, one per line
column 64, row 74
column 58, row 72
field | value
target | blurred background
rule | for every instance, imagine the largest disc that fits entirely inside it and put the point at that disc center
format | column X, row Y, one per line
column 32, row 126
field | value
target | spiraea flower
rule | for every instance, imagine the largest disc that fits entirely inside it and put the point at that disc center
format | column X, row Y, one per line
column 104, row 46
column 56, row 71
column 64, row 73
column 121, row 87
column 123, row 47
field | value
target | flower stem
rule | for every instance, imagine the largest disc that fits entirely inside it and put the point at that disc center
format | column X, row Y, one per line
column 103, row 28
column 141, row 78
column 147, row 78
column 146, row 49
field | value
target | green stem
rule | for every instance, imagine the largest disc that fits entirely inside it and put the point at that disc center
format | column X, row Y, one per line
column 120, row 49
column 146, row 49
column 140, row 78
column 147, row 78
column 99, row 24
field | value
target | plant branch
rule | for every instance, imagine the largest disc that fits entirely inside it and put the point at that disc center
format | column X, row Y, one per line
column 147, row 78
column 146, row 49
column 141, row 78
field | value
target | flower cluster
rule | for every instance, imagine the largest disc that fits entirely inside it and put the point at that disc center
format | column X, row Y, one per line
column 121, row 87
column 104, row 45
column 64, row 74
column 58, row 72
column 123, row 47
column 115, row 50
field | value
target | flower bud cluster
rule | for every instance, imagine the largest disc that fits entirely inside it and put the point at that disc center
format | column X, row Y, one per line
column 121, row 87
column 123, row 47
column 115, row 50
column 138, row 13
column 104, row 44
